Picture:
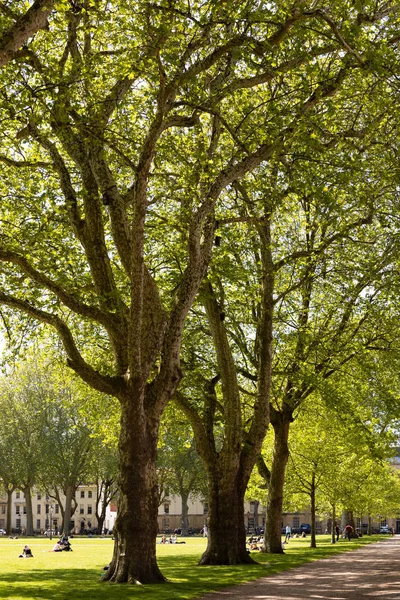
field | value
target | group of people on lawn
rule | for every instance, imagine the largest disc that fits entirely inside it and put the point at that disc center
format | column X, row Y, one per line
column 63, row 545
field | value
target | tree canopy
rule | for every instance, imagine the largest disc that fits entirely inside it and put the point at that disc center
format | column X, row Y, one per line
column 132, row 132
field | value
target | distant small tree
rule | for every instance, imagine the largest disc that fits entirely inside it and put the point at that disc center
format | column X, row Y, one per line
column 182, row 470
column 104, row 471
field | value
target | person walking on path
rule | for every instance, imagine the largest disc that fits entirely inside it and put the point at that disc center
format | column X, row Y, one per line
column 348, row 530
column 287, row 535
column 337, row 530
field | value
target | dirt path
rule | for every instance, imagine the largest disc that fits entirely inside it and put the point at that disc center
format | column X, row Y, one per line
column 370, row 572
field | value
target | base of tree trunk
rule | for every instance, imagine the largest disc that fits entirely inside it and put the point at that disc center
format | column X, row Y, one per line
column 274, row 550
column 216, row 558
column 122, row 573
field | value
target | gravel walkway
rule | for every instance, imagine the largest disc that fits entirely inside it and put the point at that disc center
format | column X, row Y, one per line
column 370, row 572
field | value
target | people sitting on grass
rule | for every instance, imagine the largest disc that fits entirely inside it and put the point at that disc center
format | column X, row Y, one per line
column 63, row 545
column 56, row 548
column 26, row 552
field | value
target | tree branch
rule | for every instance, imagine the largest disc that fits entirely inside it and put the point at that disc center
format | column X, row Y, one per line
column 103, row 383
column 25, row 27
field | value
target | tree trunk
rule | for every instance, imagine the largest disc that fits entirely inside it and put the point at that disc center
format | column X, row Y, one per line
column 9, row 509
column 333, row 537
column 313, row 543
column 29, row 512
column 135, row 530
column 348, row 519
column 185, row 517
column 69, row 493
column 103, row 499
column 273, row 525
column 256, row 525
column 226, row 529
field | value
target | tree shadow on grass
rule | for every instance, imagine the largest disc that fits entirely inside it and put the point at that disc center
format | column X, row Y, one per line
column 186, row 579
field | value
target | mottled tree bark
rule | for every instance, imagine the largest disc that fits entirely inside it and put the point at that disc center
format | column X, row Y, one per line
column 226, row 531
column 135, row 530
column 273, row 536
column 29, row 512
column 185, row 514
column 9, row 509
column 24, row 28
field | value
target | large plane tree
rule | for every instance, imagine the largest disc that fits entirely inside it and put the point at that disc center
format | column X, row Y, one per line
column 122, row 126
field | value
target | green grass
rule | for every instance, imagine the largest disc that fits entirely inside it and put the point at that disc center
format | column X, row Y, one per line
column 77, row 575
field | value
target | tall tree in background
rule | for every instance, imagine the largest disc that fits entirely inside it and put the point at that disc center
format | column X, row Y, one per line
column 103, row 472
column 183, row 472
column 23, row 398
column 67, row 445
column 130, row 120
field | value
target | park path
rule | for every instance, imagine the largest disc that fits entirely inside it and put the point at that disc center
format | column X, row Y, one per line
column 372, row 572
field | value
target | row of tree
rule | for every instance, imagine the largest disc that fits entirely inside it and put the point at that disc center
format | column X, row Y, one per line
column 52, row 440
column 182, row 184
column 54, row 437
column 47, row 443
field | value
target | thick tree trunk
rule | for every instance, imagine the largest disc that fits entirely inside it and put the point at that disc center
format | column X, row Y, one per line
column 29, row 512
column 9, row 510
column 69, row 493
column 135, row 530
column 226, row 529
column 185, row 513
column 273, row 525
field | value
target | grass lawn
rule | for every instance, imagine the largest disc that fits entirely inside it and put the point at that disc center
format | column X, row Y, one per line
column 77, row 575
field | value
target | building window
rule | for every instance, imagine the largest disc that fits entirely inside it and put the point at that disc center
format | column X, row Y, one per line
column 205, row 508
column 89, row 509
column 166, row 508
column 57, row 509
column 39, row 508
column 39, row 496
column 82, row 493
column 24, row 510
column 18, row 494
column 252, row 505
column 81, row 509
column 296, row 522
column 90, row 494
column 47, row 509
column 3, row 509
column 17, row 509
column 18, row 523
column 37, row 523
